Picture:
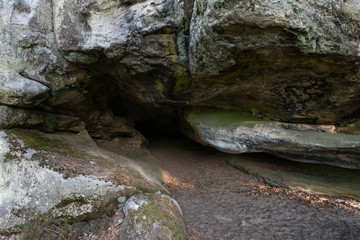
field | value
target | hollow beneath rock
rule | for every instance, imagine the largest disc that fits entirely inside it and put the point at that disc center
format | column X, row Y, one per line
column 221, row 202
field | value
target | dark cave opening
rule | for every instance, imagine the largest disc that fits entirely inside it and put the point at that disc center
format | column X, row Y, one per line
column 151, row 121
column 152, row 129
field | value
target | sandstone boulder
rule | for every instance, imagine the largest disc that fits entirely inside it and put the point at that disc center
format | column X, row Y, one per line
column 64, row 176
column 234, row 132
column 152, row 216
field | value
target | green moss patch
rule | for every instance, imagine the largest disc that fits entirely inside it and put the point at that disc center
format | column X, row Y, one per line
column 183, row 81
column 216, row 118
column 315, row 178
column 38, row 141
column 72, row 161
column 155, row 212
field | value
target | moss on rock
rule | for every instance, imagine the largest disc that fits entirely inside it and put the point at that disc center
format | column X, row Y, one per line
column 64, row 175
column 183, row 81
column 152, row 216
column 38, row 141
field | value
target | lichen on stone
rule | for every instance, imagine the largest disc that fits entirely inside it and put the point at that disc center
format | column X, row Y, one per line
column 29, row 188
column 152, row 216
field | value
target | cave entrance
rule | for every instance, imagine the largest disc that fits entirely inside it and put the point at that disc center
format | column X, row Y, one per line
column 153, row 129
column 151, row 121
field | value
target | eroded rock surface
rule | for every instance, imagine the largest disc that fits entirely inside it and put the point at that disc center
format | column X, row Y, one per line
column 100, row 61
column 288, row 60
column 101, row 66
column 64, row 176
column 152, row 216
column 234, row 132
column 140, row 44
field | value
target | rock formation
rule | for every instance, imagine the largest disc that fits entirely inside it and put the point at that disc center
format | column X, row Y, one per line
column 232, row 132
column 243, row 76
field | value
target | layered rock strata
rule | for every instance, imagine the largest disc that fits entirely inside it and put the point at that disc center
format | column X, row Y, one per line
column 234, row 132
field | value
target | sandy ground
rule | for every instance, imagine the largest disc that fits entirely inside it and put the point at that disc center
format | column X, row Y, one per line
column 220, row 202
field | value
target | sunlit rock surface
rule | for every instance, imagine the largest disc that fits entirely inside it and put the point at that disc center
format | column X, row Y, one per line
column 65, row 176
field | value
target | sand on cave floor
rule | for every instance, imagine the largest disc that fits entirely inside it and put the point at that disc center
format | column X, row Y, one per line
column 221, row 202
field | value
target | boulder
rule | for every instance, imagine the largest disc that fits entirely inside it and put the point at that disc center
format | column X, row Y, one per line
column 64, row 176
column 152, row 216
column 294, row 61
column 32, row 69
column 28, row 45
column 236, row 132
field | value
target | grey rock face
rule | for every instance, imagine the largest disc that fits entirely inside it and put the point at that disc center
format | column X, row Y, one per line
column 88, row 61
column 14, row 117
column 19, row 91
column 28, row 44
column 294, row 61
column 283, row 59
column 138, row 43
column 320, row 27
column 94, row 61
column 11, row 117
column 63, row 176
column 108, row 26
column 32, row 69
column 29, row 189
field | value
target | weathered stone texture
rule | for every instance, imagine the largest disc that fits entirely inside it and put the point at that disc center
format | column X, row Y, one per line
column 99, row 66
column 152, row 216
column 64, row 176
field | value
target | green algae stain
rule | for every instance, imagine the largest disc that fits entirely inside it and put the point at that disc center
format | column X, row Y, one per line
column 183, row 81
column 217, row 118
column 159, row 86
column 34, row 139
column 169, row 44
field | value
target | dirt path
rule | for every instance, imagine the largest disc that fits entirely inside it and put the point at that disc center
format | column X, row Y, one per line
column 220, row 202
